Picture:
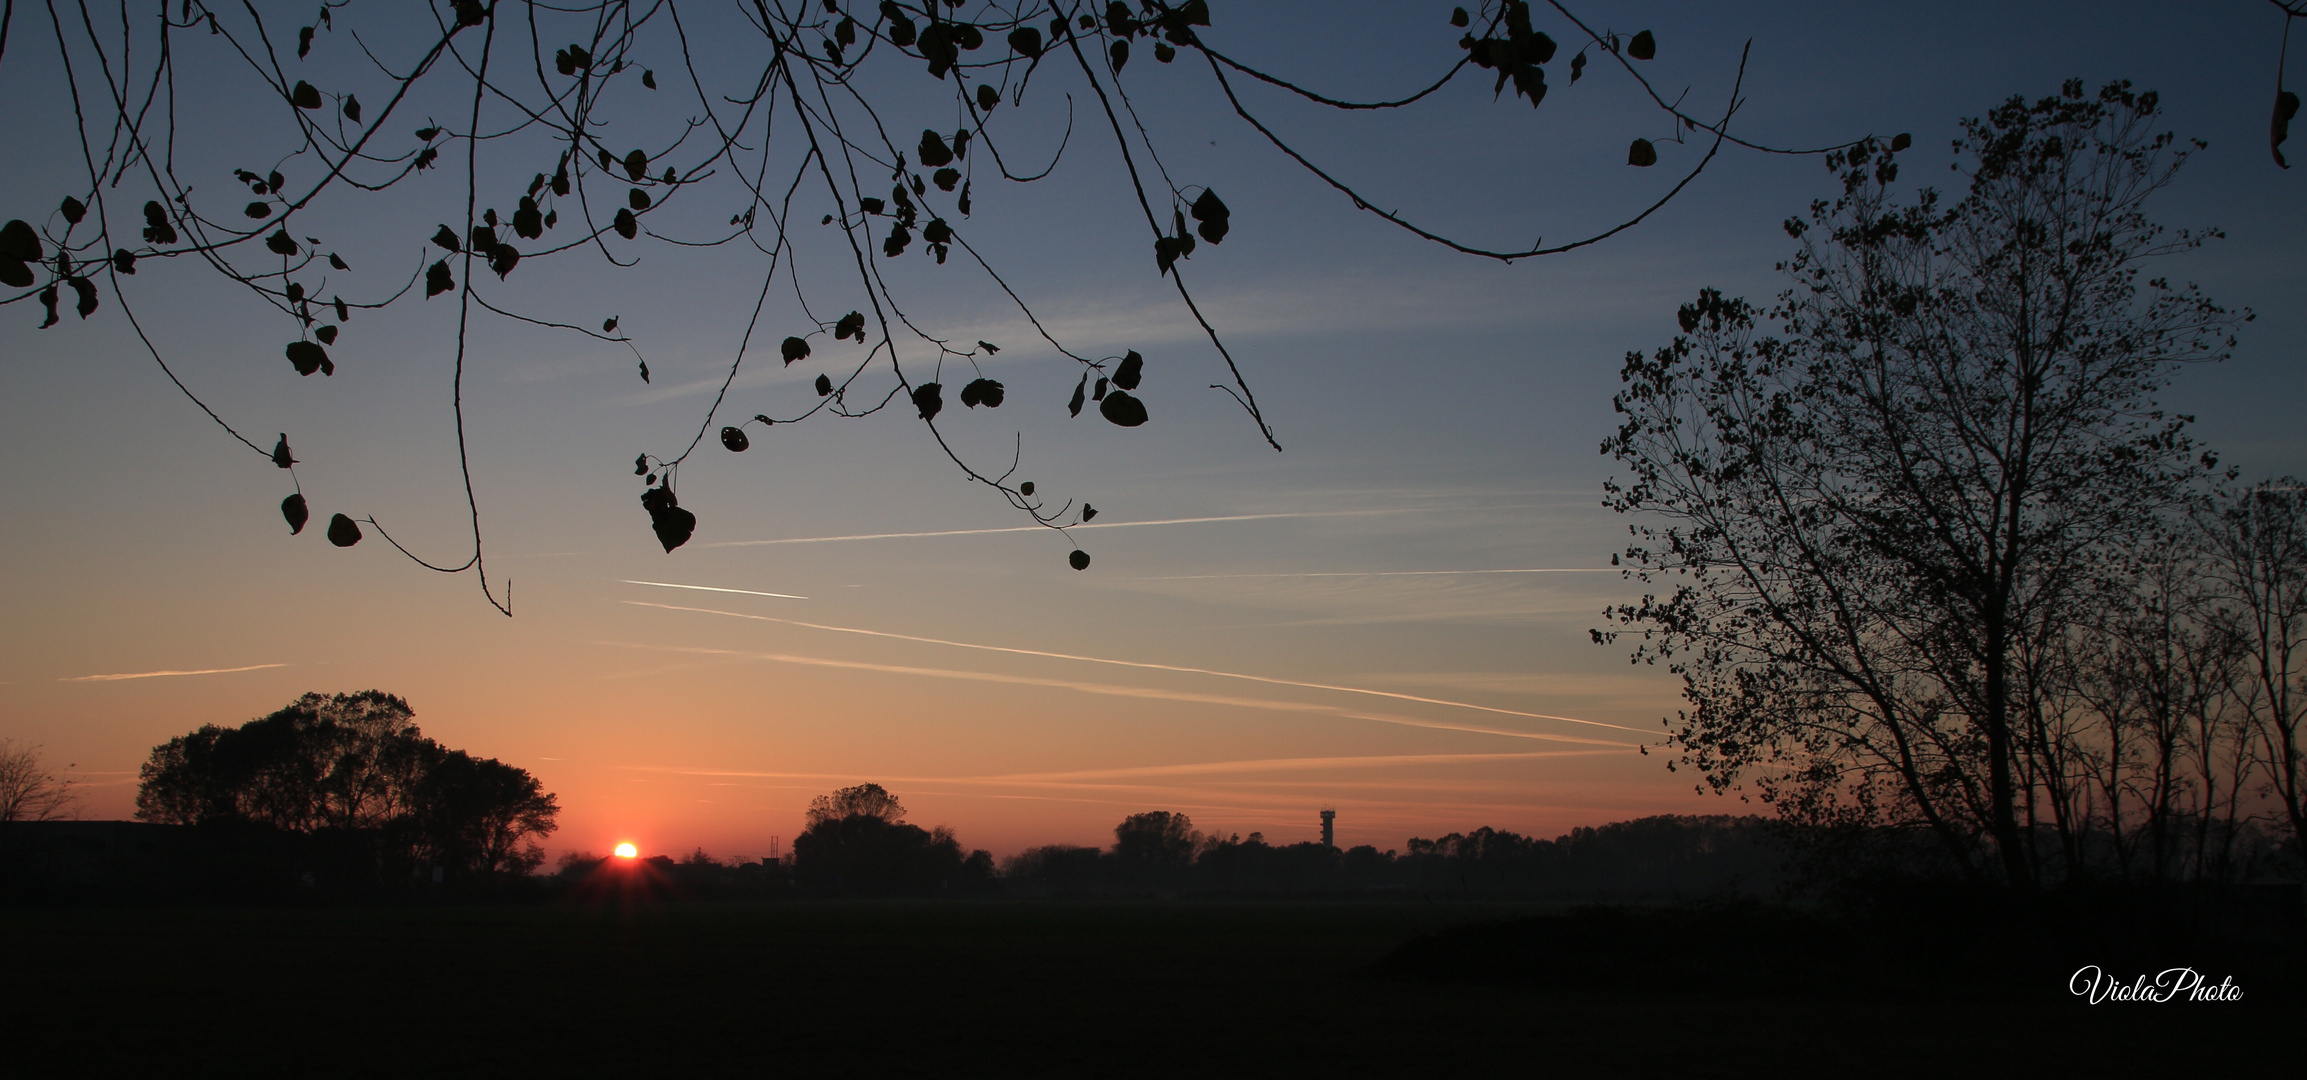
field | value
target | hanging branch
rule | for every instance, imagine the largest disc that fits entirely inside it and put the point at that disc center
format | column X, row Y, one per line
column 548, row 116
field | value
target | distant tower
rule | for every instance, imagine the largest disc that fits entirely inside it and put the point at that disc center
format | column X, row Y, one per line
column 1329, row 829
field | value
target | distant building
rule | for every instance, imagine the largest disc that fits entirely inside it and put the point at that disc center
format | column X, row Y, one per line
column 1329, row 831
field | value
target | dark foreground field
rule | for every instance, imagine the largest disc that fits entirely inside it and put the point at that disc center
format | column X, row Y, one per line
column 1187, row 988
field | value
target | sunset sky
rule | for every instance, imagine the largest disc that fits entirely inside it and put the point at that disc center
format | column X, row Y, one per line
column 1390, row 617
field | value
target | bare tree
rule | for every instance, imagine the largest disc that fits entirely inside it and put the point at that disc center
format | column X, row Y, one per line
column 29, row 790
column 2257, row 540
column 1879, row 524
column 2137, row 743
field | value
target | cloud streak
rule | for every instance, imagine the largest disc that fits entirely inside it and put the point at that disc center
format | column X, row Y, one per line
column 1105, row 689
column 1141, row 665
column 711, row 588
column 1198, row 768
column 1281, row 804
column 1038, row 528
column 1115, row 690
column 164, row 674
column 1389, row 573
column 1260, row 765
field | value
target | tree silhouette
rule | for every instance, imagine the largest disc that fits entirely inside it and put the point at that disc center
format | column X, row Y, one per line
column 29, row 790
column 481, row 813
column 2257, row 559
column 857, row 841
column 347, row 761
column 2286, row 101
column 863, row 800
column 1881, row 524
column 352, row 764
column 1155, row 844
column 565, row 137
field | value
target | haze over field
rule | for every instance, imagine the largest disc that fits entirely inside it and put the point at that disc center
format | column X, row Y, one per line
column 1390, row 618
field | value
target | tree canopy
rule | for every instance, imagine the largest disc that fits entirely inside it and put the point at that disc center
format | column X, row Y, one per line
column 353, row 764
column 866, row 800
column 857, row 841
column 1925, row 548
column 1154, row 842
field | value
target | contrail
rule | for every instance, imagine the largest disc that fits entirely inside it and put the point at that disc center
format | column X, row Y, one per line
column 885, row 778
column 1278, row 765
column 1108, row 689
column 1152, row 667
column 1195, row 800
column 709, row 588
column 1444, row 725
column 158, row 674
column 1112, row 690
column 1189, row 769
column 1039, row 528
column 1392, row 573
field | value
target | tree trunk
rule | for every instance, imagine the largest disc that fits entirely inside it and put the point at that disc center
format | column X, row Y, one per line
column 2000, row 790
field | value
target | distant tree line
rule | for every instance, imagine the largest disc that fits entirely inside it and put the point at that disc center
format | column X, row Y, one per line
column 858, row 844
column 367, row 796
column 1658, row 856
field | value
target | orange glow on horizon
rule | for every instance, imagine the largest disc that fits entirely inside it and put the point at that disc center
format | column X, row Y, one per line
column 627, row 851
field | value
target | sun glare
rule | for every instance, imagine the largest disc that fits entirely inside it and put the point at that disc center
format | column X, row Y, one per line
column 627, row 851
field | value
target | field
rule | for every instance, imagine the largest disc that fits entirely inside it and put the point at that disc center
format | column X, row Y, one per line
column 1089, row 989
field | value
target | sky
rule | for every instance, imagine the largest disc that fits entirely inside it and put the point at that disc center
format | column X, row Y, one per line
column 1389, row 617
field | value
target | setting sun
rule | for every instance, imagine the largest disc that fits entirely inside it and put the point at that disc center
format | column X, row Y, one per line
column 627, row 851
